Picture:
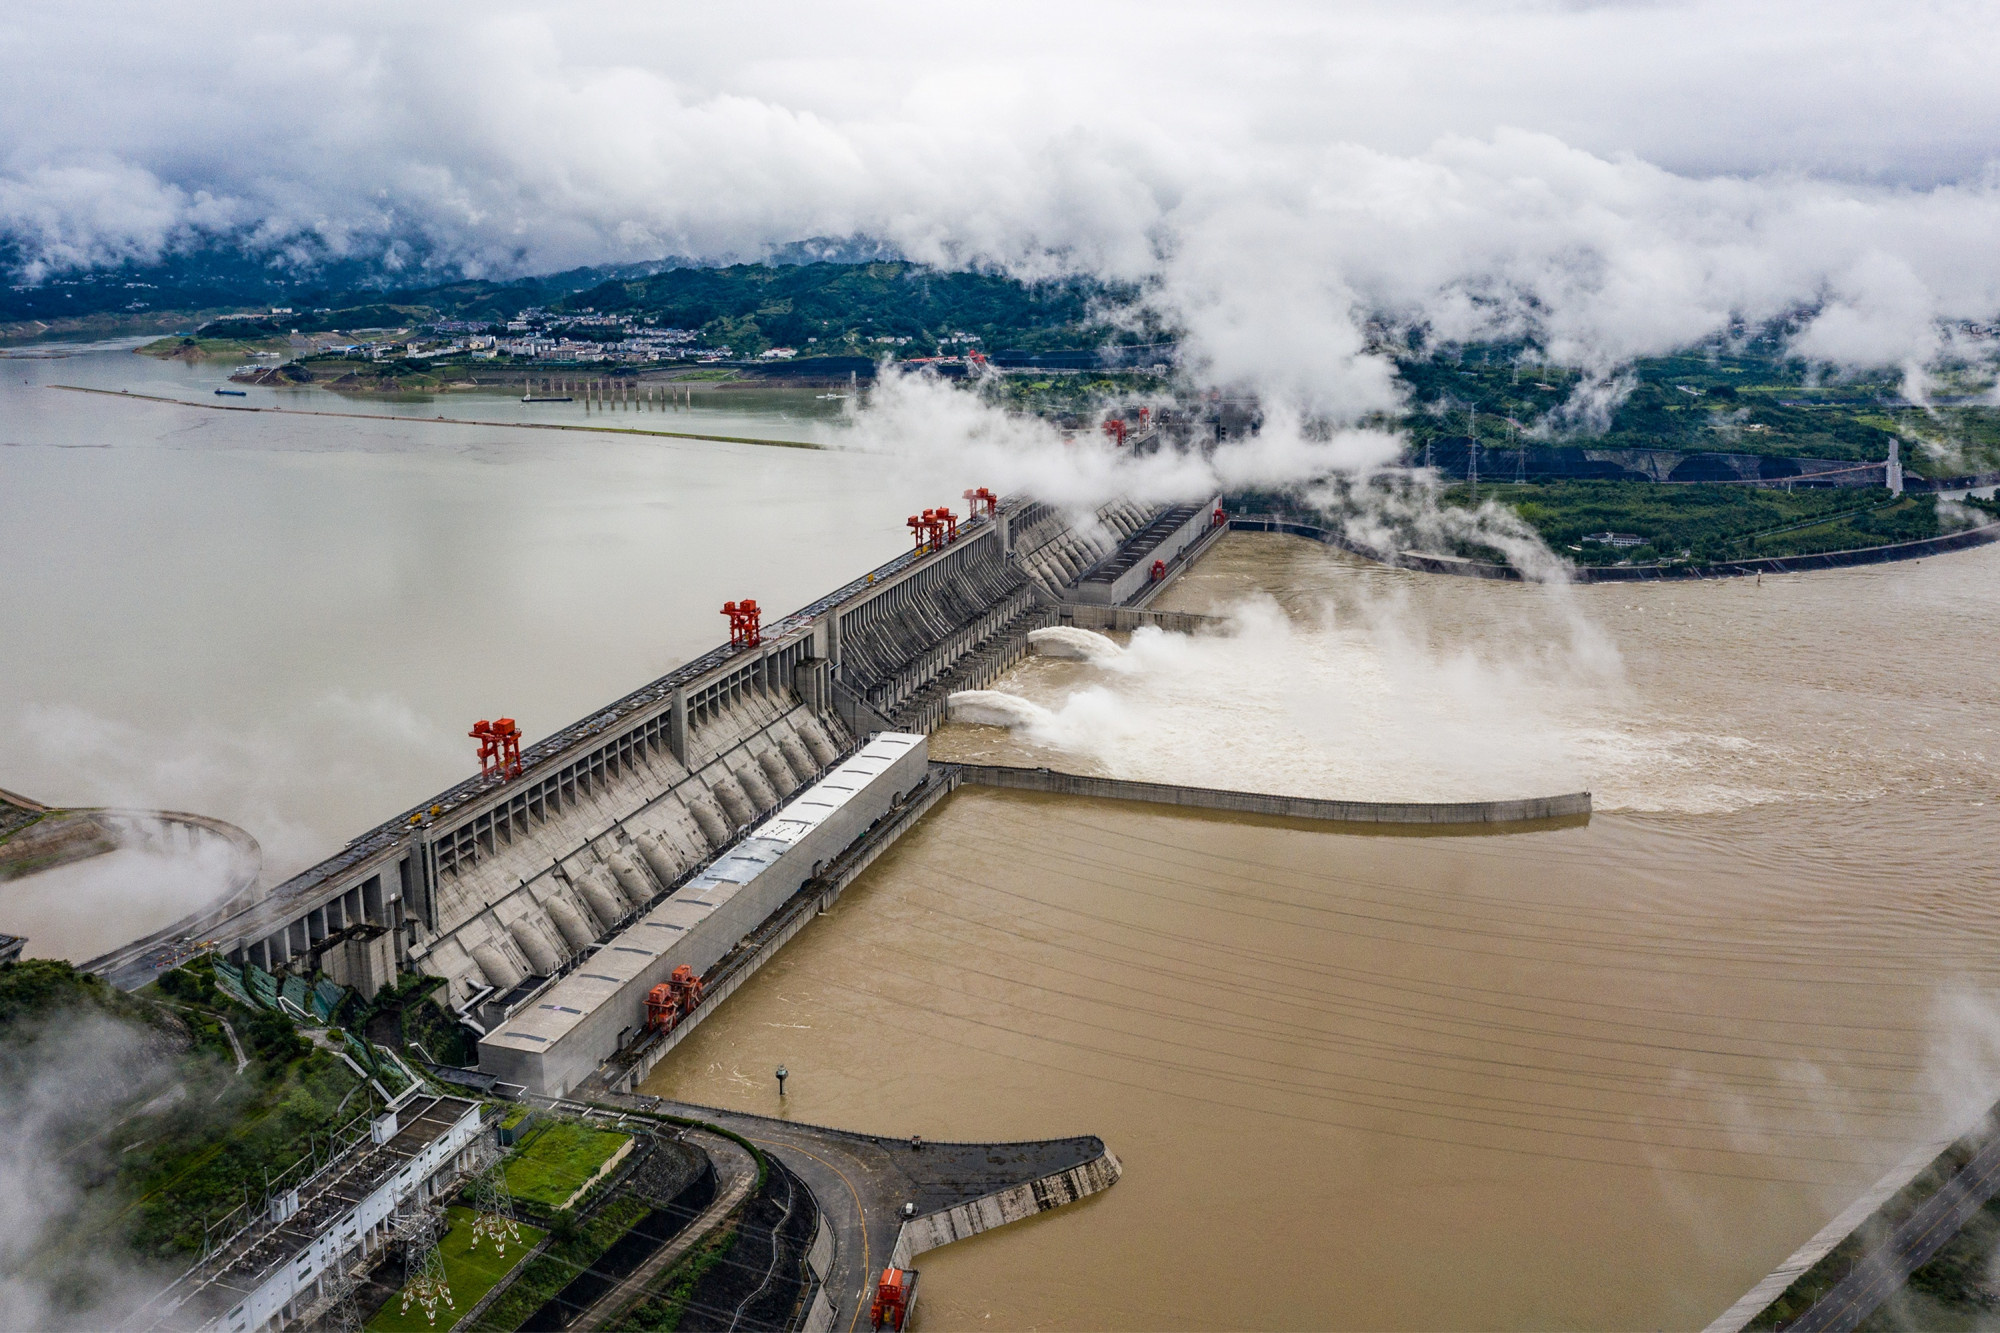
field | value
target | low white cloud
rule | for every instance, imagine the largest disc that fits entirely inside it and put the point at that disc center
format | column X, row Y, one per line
column 1617, row 179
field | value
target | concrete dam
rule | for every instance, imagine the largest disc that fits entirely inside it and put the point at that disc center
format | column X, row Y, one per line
column 502, row 883
column 541, row 892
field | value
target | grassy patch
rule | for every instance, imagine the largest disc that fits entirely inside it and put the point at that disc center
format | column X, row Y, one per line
column 562, row 1261
column 556, row 1161
column 472, row 1272
column 1708, row 523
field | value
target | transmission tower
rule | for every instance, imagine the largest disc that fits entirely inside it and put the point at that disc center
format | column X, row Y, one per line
column 342, row 1315
column 1472, row 453
column 493, row 1204
column 423, row 1267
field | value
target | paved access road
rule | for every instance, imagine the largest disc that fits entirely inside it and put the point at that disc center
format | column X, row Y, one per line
column 1926, row 1231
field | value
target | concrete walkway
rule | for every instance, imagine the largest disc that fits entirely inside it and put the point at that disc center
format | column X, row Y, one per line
column 735, row 1177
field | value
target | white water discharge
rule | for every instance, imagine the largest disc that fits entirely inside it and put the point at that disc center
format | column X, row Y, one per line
column 1079, row 645
column 1352, row 681
column 1366, row 702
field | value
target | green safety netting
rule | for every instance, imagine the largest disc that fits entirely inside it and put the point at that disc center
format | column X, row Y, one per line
column 262, row 986
column 326, row 998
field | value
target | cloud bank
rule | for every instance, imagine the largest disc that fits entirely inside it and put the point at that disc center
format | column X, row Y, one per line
column 1616, row 179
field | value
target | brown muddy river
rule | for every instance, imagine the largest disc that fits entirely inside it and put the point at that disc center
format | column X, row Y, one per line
column 1596, row 1077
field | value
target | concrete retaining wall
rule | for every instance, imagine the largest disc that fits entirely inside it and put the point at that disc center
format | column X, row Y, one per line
column 1120, row 578
column 933, row 1230
column 1125, row 619
column 1575, row 805
column 1182, row 562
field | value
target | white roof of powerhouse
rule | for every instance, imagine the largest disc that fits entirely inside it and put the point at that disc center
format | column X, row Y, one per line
column 625, row 955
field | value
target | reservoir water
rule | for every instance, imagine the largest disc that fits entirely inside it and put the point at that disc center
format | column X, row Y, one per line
column 1601, row 1076
column 290, row 622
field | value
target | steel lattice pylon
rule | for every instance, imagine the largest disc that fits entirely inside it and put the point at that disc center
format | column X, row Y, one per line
column 423, row 1267
column 493, row 1205
column 342, row 1314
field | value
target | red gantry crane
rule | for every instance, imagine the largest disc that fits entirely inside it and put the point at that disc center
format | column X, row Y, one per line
column 745, row 623
column 499, row 747
column 673, row 999
column 933, row 529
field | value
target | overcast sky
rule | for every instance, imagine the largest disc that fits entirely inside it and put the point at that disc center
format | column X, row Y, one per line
column 1624, row 176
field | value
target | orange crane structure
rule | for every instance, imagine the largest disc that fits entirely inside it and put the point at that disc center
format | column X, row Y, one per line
column 673, row 999
column 745, row 623
column 933, row 529
column 499, row 747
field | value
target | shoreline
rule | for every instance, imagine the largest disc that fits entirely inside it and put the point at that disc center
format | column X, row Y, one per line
column 446, row 421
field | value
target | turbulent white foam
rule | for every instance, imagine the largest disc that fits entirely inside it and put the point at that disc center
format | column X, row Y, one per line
column 1696, row 698
column 1081, row 645
column 1363, row 709
column 997, row 708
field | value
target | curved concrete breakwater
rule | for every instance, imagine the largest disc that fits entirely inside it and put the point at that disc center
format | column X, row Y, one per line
column 1573, row 807
column 885, row 1200
column 40, row 844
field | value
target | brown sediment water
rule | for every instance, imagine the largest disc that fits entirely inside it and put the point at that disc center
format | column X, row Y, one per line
column 1597, row 1077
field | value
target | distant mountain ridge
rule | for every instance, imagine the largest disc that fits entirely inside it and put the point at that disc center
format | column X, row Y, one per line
column 220, row 275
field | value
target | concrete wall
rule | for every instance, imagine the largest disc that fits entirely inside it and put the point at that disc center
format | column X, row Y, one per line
column 633, row 1064
column 1053, row 553
column 1124, row 619
column 1126, row 573
column 1014, row 1204
column 1575, row 805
